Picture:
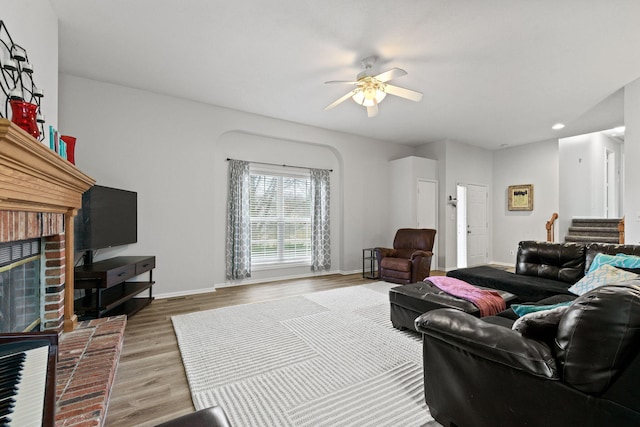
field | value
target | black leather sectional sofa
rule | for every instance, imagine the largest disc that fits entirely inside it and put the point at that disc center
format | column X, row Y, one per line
column 574, row 365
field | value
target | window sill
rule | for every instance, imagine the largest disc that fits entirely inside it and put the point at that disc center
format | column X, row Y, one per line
column 280, row 265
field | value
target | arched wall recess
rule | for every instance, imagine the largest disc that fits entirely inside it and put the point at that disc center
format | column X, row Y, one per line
column 251, row 147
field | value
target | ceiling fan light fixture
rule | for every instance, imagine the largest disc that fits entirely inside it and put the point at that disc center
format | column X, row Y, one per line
column 368, row 98
column 370, row 89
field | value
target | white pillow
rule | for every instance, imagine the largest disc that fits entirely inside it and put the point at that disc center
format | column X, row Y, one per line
column 603, row 275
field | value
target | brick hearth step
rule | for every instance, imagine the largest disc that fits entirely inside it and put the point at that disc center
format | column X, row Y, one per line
column 87, row 362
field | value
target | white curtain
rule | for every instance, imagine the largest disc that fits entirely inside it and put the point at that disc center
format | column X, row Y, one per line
column 238, row 262
column 320, row 226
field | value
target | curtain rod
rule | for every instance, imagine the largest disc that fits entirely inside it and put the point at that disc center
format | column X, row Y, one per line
column 276, row 164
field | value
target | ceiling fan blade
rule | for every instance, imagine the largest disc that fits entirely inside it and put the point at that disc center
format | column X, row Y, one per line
column 340, row 82
column 373, row 110
column 403, row 93
column 340, row 100
column 391, row 74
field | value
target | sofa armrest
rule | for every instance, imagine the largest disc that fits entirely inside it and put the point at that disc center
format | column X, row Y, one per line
column 496, row 343
column 420, row 253
column 385, row 252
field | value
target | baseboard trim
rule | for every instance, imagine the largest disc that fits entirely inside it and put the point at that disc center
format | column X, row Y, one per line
column 279, row 278
column 250, row 282
column 503, row 264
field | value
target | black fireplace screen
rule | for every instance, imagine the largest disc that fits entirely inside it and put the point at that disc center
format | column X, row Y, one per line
column 20, row 276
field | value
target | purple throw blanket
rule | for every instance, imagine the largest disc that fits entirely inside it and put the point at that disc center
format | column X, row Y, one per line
column 488, row 302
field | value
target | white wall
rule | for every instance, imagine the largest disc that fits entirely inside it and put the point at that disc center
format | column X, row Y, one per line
column 582, row 177
column 632, row 156
column 535, row 164
column 34, row 26
column 173, row 153
column 457, row 163
column 404, row 175
column 438, row 151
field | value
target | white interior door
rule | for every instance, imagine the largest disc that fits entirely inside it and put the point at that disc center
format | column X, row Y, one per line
column 427, row 211
column 477, row 227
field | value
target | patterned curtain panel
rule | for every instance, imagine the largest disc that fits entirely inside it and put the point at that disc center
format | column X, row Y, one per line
column 238, row 222
column 320, row 235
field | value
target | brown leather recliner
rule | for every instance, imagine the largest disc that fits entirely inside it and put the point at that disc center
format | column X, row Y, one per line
column 410, row 259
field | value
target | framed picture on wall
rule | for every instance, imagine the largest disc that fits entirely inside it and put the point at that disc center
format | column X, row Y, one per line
column 521, row 197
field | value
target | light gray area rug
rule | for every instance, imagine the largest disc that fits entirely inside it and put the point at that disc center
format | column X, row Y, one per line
column 328, row 358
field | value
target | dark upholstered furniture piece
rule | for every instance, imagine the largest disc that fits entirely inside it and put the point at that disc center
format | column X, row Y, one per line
column 209, row 417
column 410, row 259
column 410, row 301
column 543, row 269
column 479, row 374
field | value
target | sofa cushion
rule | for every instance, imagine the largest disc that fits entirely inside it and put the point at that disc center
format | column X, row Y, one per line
column 556, row 261
column 603, row 275
column 526, row 288
column 397, row 264
column 598, row 335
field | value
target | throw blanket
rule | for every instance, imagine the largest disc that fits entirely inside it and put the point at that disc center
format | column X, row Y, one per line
column 488, row 302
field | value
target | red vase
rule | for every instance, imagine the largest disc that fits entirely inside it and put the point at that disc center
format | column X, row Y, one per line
column 71, row 147
column 24, row 115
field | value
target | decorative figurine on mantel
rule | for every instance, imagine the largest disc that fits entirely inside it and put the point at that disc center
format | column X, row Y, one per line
column 22, row 96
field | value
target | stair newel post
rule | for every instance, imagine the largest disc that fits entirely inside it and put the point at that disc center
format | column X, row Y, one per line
column 621, row 231
column 550, row 229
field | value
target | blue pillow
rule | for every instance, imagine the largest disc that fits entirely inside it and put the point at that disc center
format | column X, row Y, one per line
column 618, row 260
column 522, row 309
column 604, row 275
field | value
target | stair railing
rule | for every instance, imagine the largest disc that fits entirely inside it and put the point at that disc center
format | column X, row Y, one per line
column 549, row 226
column 621, row 231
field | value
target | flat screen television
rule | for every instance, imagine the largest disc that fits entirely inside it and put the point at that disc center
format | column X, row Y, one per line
column 109, row 217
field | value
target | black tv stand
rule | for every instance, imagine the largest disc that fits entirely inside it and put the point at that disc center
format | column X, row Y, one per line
column 108, row 291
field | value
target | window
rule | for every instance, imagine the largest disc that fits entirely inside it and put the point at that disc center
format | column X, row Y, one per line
column 280, row 211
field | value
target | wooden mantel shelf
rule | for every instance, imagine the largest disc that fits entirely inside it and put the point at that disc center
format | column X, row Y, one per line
column 33, row 178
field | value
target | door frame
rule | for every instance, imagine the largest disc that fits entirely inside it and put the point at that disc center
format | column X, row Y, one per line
column 462, row 212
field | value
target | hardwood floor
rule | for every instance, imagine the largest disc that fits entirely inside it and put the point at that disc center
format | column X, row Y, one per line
column 150, row 385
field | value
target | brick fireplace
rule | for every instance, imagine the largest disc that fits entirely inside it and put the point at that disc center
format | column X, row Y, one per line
column 40, row 193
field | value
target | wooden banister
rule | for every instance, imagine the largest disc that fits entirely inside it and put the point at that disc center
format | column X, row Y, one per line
column 549, row 226
column 621, row 231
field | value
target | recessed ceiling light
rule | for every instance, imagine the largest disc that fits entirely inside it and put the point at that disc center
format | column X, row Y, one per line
column 557, row 126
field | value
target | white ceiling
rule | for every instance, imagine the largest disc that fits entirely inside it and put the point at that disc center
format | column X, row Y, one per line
column 492, row 72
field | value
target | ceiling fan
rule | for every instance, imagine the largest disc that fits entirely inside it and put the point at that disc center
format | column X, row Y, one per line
column 371, row 90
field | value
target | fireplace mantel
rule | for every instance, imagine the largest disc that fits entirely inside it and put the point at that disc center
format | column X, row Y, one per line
column 33, row 178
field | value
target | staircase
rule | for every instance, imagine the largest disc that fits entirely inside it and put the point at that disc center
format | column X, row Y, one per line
column 594, row 230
